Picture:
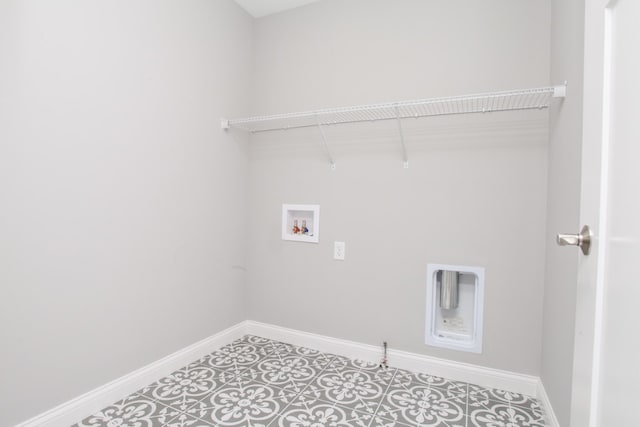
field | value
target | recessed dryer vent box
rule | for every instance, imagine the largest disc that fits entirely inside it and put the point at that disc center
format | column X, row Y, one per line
column 454, row 307
column 301, row 223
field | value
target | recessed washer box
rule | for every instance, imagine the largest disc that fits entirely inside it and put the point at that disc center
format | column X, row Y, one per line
column 455, row 299
column 301, row 223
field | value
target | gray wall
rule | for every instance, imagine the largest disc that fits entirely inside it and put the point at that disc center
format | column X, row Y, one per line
column 563, row 211
column 475, row 192
column 122, row 202
column 124, row 208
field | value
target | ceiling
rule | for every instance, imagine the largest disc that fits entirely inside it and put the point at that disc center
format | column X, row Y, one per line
column 260, row 8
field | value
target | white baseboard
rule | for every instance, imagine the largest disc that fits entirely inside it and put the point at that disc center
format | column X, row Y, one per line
column 485, row 377
column 549, row 416
column 76, row 409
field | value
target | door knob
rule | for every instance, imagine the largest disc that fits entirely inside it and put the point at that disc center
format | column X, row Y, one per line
column 583, row 239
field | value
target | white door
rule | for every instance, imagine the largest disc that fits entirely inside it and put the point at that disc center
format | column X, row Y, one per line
column 606, row 380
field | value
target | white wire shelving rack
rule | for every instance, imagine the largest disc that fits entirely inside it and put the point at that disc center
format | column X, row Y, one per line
column 522, row 99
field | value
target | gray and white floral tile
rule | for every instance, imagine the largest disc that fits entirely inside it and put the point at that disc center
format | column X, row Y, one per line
column 236, row 357
column 317, row 359
column 184, row 420
column 242, row 402
column 503, row 414
column 349, row 386
column 480, row 396
column 453, row 390
column 419, row 404
column 287, row 371
column 185, row 387
column 134, row 410
column 257, row 382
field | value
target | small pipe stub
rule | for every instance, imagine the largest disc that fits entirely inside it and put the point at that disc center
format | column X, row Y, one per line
column 384, row 364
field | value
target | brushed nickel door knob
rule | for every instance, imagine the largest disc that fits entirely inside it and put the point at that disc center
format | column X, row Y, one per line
column 583, row 240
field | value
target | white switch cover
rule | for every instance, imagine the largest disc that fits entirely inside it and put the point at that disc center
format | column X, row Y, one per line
column 338, row 250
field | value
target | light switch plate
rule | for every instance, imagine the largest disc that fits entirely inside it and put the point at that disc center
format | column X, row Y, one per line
column 338, row 250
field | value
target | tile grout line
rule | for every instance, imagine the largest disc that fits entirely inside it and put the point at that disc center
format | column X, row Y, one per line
column 383, row 396
column 466, row 406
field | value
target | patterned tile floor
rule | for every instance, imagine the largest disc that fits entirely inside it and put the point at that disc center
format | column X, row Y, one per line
column 258, row 382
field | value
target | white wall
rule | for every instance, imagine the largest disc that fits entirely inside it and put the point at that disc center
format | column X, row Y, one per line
column 122, row 202
column 563, row 210
column 475, row 192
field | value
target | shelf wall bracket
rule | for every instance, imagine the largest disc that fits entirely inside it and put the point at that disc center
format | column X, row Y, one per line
column 224, row 124
column 326, row 147
column 405, row 160
column 560, row 91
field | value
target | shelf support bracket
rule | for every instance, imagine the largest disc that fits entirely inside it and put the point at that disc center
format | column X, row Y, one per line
column 560, row 91
column 405, row 160
column 224, row 124
column 326, row 147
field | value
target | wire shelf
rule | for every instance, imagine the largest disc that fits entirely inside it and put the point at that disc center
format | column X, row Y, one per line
column 524, row 99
